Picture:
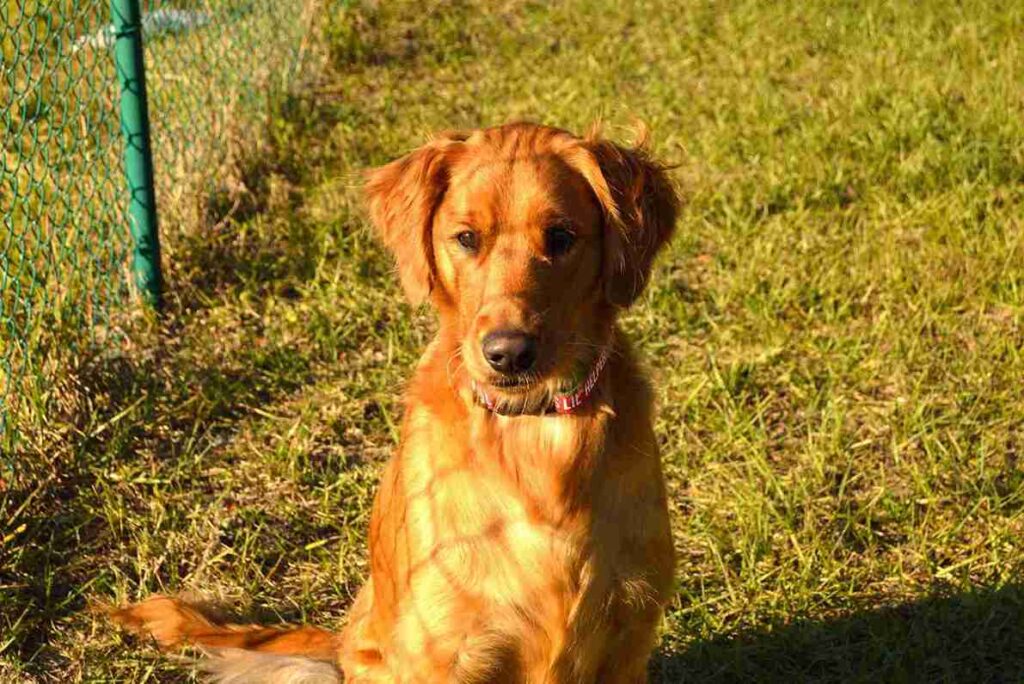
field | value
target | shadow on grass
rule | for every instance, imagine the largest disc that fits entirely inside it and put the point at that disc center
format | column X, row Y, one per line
column 62, row 547
column 969, row 638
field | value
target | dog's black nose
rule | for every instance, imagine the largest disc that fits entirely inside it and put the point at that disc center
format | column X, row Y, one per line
column 510, row 351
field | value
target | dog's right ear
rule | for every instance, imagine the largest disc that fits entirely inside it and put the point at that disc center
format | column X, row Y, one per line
column 402, row 198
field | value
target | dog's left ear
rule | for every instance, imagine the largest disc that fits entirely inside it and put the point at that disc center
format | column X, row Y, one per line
column 640, row 206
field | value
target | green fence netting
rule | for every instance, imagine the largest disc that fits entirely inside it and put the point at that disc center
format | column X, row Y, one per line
column 64, row 237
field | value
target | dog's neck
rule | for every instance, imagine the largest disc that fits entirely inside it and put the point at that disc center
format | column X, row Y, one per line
column 548, row 457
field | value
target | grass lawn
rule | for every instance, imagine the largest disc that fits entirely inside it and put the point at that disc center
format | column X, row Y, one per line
column 837, row 336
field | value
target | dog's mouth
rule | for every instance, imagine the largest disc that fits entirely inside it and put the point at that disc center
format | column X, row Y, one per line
column 513, row 395
column 522, row 391
column 513, row 384
column 545, row 390
column 528, row 387
column 547, row 379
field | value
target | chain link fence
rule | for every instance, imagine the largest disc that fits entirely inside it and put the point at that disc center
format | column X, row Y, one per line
column 65, row 285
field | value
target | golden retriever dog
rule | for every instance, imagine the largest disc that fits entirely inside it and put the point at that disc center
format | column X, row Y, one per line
column 521, row 532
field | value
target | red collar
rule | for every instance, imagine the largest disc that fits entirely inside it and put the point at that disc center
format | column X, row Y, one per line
column 561, row 403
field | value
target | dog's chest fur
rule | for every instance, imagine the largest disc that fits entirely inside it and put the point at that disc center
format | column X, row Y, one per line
column 503, row 543
column 505, row 509
column 497, row 536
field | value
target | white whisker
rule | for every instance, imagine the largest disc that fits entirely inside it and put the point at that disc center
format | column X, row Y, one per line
column 457, row 354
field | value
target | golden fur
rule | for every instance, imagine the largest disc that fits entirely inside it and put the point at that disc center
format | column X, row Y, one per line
column 528, row 547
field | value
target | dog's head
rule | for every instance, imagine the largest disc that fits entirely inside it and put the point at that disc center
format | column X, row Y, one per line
column 528, row 240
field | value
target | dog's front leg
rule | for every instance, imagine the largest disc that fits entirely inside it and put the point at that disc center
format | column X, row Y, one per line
column 610, row 640
column 629, row 652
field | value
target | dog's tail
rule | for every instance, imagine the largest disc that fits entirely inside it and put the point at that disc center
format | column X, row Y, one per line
column 241, row 653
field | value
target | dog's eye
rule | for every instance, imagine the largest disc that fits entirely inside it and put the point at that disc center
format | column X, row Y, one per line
column 558, row 241
column 468, row 240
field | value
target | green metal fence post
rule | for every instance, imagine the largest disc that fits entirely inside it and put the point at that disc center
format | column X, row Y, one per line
column 138, row 158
